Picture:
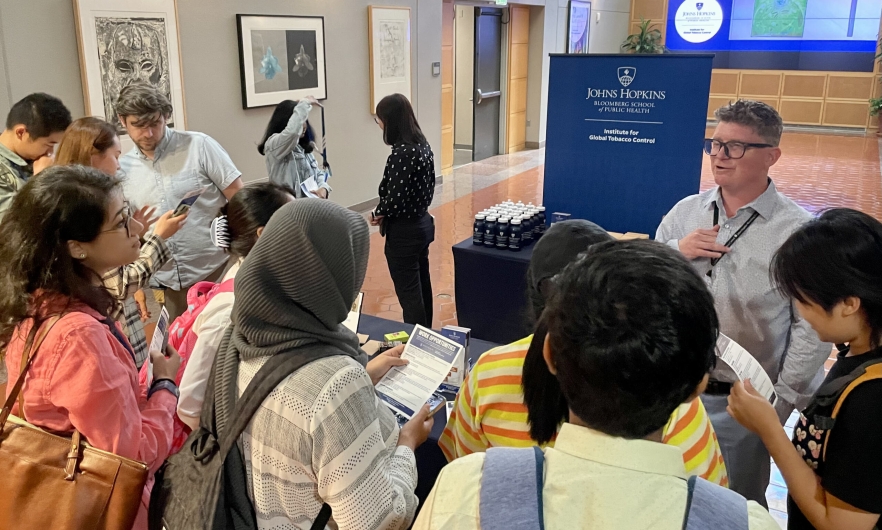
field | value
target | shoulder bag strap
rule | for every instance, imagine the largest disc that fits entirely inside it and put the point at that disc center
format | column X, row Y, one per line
column 871, row 371
column 35, row 339
column 711, row 506
column 511, row 489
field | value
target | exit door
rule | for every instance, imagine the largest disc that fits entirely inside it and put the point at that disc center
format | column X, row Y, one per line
column 488, row 88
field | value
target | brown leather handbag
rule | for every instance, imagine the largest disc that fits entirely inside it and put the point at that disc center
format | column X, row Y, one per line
column 49, row 481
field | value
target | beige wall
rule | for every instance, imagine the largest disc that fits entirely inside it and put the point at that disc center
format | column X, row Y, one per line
column 465, row 64
column 39, row 53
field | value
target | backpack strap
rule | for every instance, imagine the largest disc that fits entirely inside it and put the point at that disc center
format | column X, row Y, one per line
column 511, row 489
column 709, row 505
column 871, row 370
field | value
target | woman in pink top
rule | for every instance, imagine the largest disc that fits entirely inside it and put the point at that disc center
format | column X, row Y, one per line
column 66, row 228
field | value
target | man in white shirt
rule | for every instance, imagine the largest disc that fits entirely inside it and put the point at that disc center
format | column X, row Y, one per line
column 164, row 166
column 729, row 234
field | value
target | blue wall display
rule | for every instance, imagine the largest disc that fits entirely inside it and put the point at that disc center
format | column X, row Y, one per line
column 625, row 136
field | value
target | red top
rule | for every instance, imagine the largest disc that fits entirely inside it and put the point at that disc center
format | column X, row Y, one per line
column 84, row 378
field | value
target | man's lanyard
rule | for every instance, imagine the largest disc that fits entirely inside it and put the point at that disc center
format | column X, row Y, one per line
column 734, row 237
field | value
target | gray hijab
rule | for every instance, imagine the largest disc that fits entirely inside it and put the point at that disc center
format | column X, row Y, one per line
column 296, row 287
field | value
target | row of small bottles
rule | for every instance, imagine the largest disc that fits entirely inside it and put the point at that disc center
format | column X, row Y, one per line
column 509, row 226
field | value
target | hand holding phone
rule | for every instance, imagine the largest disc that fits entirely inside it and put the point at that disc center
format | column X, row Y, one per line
column 187, row 202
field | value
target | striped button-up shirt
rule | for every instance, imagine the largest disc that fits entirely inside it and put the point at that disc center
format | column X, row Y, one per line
column 751, row 310
column 124, row 282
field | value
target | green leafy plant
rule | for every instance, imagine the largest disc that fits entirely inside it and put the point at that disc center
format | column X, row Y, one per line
column 876, row 103
column 646, row 40
column 875, row 106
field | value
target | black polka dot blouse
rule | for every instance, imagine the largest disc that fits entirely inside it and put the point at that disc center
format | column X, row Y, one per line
column 408, row 184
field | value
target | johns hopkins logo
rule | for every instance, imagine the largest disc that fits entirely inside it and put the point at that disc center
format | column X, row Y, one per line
column 627, row 75
column 699, row 5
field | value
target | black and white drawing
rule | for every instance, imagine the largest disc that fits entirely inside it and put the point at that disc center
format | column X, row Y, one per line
column 126, row 42
column 393, row 39
column 389, row 52
column 130, row 50
column 286, row 59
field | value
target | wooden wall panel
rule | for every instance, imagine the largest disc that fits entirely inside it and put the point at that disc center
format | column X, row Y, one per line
column 801, row 112
column 715, row 103
column 723, row 82
column 849, row 86
column 804, row 86
column 760, row 84
column 518, row 63
column 650, row 9
column 448, row 15
column 846, row 114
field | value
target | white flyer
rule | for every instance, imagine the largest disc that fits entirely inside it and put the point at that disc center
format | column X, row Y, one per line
column 406, row 388
column 352, row 320
column 745, row 366
column 158, row 342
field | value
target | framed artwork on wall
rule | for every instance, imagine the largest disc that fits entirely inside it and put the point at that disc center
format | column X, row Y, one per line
column 578, row 26
column 124, row 42
column 389, row 52
column 281, row 57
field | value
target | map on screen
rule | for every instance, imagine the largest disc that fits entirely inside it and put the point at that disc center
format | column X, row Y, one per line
column 779, row 18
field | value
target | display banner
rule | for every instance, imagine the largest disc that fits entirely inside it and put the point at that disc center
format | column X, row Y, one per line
column 625, row 136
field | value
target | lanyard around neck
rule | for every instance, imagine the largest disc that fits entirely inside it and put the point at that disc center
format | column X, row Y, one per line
column 731, row 241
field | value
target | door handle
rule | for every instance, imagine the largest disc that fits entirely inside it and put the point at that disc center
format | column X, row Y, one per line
column 479, row 96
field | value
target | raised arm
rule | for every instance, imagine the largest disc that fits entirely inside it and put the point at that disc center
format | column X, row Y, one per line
column 280, row 145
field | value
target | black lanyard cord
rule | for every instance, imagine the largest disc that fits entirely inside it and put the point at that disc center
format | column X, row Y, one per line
column 734, row 237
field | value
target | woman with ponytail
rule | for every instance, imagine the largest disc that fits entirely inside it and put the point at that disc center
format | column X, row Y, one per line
column 236, row 229
column 511, row 399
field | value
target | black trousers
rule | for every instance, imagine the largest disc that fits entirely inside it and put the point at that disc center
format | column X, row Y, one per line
column 407, row 253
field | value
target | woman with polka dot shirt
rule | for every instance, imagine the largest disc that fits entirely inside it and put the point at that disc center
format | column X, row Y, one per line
column 406, row 192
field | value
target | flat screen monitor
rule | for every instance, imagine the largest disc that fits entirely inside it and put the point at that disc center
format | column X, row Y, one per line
column 832, row 35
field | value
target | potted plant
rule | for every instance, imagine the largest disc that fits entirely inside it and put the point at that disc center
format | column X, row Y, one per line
column 646, row 40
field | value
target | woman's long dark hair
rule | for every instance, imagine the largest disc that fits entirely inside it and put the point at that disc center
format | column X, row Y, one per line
column 63, row 203
column 249, row 209
column 278, row 122
column 834, row 257
column 399, row 122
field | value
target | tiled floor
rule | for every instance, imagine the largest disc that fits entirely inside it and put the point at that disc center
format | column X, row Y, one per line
column 817, row 171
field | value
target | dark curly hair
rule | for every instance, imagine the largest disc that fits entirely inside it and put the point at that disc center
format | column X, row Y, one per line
column 63, row 203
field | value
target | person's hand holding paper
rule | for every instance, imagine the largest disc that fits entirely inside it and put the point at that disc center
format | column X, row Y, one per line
column 380, row 365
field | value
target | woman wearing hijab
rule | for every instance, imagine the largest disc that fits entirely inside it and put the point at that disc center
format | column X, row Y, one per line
column 323, row 435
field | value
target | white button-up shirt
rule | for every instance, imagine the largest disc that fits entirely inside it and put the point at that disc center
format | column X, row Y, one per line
column 751, row 310
column 184, row 161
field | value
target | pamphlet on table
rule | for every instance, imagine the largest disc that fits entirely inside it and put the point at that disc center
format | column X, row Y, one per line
column 406, row 388
column 352, row 320
column 746, row 366
column 461, row 336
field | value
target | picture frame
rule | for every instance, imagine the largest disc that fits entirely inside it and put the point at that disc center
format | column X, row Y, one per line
column 108, row 62
column 390, row 52
column 578, row 26
column 281, row 57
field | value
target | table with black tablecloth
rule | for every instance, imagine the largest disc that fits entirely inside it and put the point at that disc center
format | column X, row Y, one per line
column 491, row 291
column 429, row 457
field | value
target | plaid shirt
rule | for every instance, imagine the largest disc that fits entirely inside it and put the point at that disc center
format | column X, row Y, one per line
column 124, row 282
column 14, row 172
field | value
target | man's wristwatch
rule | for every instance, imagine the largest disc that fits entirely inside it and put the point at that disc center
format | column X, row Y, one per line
column 164, row 384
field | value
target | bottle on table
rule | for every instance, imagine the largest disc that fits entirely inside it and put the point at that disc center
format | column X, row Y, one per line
column 478, row 236
column 515, row 236
column 490, row 232
column 502, row 233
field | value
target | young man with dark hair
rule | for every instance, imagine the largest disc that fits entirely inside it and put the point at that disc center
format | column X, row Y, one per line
column 164, row 166
column 729, row 234
column 628, row 335
column 33, row 126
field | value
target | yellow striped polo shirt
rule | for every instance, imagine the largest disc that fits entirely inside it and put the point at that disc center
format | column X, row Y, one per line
column 489, row 412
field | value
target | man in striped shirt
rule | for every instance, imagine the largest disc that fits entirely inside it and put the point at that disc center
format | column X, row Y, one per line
column 489, row 410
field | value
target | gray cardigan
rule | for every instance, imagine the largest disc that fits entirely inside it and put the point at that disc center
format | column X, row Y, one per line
column 286, row 162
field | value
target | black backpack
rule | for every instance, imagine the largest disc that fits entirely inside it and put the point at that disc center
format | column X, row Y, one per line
column 204, row 486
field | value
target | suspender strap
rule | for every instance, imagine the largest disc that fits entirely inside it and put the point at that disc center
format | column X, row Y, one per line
column 871, row 371
column 709, row 506
column 511, row 489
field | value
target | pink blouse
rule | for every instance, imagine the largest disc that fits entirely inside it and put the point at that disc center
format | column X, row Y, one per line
column 84, row 378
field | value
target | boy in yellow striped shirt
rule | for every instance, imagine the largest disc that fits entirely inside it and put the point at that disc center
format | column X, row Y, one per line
column 489, row 410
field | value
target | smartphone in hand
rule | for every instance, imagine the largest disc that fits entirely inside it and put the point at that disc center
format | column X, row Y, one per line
column 187, row 202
